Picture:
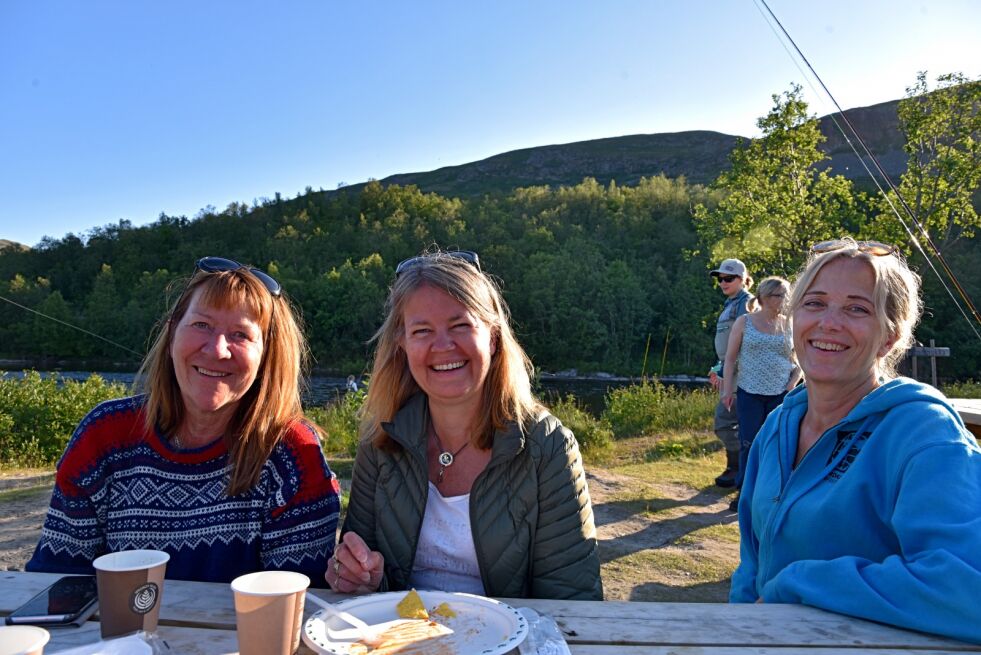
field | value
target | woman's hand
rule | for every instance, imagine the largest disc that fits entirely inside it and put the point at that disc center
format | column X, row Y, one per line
column 354, row 568
column 715, row 380
column 728, row 398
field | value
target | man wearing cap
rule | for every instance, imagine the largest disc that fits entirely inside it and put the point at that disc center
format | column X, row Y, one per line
column 735, row 283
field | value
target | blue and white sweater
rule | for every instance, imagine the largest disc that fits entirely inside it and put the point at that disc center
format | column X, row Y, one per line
column 119, row 487
column 880, row 520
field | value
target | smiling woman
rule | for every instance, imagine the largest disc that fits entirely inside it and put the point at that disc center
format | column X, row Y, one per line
column 462, row 480
column 884, row 460
column 214, row 463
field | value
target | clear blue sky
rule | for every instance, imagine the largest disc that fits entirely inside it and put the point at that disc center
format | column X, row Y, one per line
column 122, row 109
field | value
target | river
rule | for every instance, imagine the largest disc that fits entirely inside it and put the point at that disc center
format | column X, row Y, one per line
column 590, row 391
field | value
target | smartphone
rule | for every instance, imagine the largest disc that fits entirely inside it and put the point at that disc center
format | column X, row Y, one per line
column 69, row 600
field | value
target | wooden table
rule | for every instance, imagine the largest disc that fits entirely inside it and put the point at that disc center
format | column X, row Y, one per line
column 198, row 618
column 970, row 411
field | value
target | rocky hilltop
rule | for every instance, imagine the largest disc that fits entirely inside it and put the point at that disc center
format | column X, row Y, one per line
column 699, row 156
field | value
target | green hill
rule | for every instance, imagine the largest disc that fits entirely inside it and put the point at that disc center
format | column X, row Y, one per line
column 699, row 156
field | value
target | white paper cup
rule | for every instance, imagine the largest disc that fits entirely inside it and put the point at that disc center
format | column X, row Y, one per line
column 22, row 640
column 269, row 611
column 130, row 590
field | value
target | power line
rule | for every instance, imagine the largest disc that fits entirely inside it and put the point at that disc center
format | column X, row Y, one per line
column 74, row 327
column 885, row 177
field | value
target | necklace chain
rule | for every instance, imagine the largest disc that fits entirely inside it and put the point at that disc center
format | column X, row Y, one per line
column 445, row 457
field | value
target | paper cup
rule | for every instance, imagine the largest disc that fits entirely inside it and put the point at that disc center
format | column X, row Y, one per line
column 269, row 611
column 22, row 640
column 130, row 590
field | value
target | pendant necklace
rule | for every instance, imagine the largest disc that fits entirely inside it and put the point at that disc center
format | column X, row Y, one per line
column 445, row 457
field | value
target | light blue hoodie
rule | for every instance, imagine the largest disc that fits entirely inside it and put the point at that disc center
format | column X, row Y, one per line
column 881, row 519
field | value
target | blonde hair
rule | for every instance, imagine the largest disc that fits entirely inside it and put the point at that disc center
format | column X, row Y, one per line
column 767, row 286
column 507, row 395
column 270, row 405
column 895, row 296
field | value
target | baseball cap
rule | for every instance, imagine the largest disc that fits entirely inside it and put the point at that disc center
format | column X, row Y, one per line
column 730, row 267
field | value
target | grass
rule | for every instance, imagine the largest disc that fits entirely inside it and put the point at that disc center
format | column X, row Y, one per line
column 13, row 471
column 677, row 564
column 11, row 495
column 727, row 533
column 675, row 543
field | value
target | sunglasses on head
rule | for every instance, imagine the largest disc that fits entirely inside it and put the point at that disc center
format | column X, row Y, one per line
column 220, row 264
column 876, row 248
column 727, row 278
column 468, row 256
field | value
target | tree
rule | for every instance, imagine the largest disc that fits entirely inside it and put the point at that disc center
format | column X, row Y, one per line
column 943, row 142
column 777, row 202
column 102, row 311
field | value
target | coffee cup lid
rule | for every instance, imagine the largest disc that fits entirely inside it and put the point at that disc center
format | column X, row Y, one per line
column 270, row 583
column 22, row 638
column 131, row 560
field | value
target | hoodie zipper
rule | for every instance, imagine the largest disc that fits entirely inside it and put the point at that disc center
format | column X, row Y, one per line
column 781, row 498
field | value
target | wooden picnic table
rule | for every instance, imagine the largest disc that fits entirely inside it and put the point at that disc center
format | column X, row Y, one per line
column 198, row 618
column 970, row 411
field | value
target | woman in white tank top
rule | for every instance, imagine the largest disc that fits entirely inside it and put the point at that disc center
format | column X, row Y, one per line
column 759, row 365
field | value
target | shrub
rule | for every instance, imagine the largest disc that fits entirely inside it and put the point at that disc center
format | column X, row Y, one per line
column 339, row 421
column 594, row 436
column 969, row 389
column 38, row 415
column 653, row 407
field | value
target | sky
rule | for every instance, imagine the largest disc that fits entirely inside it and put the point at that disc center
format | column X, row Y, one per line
column 118, row 110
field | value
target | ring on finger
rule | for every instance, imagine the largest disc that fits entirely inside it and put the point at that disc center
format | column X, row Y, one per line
column 337, row 567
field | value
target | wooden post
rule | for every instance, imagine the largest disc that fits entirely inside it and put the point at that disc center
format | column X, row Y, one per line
column 931, row 351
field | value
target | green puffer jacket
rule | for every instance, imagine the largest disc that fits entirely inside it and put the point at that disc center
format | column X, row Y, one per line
column 530, row 514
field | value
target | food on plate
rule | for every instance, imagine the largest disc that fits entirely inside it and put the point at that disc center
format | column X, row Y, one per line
column 414, row 637
column 443, row 610
column 411, row 607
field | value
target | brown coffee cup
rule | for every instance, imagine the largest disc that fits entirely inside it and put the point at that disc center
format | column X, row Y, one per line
column 269, row 611
column 22, row 640
column 130, row 590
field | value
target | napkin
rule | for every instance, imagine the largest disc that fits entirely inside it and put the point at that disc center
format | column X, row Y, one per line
column 544, row 636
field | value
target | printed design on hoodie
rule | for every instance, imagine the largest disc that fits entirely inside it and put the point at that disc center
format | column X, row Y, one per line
column 843, row 437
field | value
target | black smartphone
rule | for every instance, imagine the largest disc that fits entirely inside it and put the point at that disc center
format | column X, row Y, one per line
column 69, row 600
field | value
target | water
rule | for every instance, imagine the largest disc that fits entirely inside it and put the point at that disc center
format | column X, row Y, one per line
column 322, row 389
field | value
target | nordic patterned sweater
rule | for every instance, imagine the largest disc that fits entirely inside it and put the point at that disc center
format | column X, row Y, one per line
column 119, row 487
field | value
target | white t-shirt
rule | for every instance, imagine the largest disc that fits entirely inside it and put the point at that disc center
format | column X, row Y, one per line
column 445, row 557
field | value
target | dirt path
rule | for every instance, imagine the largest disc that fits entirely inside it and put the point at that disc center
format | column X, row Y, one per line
column 623, row 533
column 21, row 516
column 681, row 511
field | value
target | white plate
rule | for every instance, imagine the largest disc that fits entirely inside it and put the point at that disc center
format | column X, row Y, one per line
column 482, row 626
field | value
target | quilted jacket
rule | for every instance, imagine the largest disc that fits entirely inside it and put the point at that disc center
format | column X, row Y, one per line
column 530, row 513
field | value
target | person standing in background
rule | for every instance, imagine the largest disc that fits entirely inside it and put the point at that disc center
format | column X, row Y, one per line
column 759, row 365
column 735, row 284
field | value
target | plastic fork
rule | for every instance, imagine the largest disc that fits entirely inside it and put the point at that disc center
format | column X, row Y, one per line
column 368, row 634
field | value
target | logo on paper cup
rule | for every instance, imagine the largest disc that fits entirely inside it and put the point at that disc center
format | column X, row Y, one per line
column 144, row 598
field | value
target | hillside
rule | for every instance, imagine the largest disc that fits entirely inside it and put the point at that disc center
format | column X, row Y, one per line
column 699, row 156
column 13, row 245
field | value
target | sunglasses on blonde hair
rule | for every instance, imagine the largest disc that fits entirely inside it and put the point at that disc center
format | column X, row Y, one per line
column 876, row 248
column 468, row 256
column 220, row 265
